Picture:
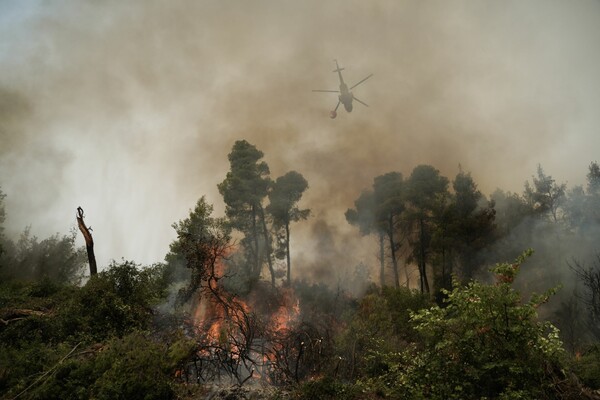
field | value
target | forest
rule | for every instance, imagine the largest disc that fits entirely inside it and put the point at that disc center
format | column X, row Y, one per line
column 473, row 297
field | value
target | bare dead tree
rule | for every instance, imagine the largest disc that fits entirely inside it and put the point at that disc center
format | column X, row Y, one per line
column 590, row 277
column 231, row 352
column 233, row 343
column 235, row 352
column 89, row 242
column 299, row 353
column 16, row 314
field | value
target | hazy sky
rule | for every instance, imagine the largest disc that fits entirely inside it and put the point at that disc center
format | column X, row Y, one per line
column 129, row 109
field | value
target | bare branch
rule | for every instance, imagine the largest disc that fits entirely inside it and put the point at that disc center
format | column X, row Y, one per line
column 89, row 241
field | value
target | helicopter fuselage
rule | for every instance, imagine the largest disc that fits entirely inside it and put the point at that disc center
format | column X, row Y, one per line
column 345, row 97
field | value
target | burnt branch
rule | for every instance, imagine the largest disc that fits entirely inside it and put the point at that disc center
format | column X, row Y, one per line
column 89, row 241
column 16, row 314
column 300, row 353
column 590, row 277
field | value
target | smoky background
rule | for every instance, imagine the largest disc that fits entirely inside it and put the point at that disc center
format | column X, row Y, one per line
column 130, row 109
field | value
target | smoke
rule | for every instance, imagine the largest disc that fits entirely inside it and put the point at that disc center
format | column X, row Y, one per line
column 130, row 109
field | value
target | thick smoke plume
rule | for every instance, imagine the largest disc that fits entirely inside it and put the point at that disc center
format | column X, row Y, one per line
column 129, row 109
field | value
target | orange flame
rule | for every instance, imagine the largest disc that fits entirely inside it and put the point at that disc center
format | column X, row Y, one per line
column 287, row 313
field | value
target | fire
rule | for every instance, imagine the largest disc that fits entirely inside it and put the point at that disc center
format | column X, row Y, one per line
column 288, row 312
column 251, row 338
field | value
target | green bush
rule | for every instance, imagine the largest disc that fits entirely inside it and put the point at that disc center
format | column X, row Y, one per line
column 132, row 367
column 114, row 302
column 587, row 367
column 381, row 324
column 45, row 321
column 327, row 389
column 484, row 343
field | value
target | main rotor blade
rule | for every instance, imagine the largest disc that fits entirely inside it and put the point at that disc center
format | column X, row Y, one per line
column 361, row 82
column 328, row 91
column 361, row 102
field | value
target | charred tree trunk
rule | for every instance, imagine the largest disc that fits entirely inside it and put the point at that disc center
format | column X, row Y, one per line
column 89, row 242
column 267, row 245
column 422, row 261
column 287, row 253
column 393, row 250
column 256, row 267
column 381, row 260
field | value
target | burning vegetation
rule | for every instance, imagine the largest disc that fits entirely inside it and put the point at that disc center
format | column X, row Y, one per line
column 228, row 308
column 258, row 336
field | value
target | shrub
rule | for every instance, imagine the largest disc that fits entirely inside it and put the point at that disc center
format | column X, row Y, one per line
column 587, row 367
column 114, row 302
column 380, row 325
column 132, row 367
column 327, row 389
column 484, row 343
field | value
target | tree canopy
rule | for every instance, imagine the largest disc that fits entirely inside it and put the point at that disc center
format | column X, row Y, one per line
column 284, row 196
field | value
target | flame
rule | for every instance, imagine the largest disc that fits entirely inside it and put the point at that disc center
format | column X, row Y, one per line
column 208, row 315
column 288, row 311
column 220, row 319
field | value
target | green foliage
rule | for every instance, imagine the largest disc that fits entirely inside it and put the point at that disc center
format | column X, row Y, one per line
column 590, row 203
column 29, row 313
column 320, row 304
column 425, row 185
column 511, row 210
column 243, row 190
column 202, row 241
column 284, row 196
column 586, row 366
column 327, row 389
column 381, row 324
column 363, row 215
column 115, row 301
column 55, row 258
column 545, row 196
column 427, row 193
column 465, row 226
column 285, row 193
column 248, row 180
column 2, row 218
column 484, row 343
column 132, row 367
column 44, row 321
column 378, row 211
column 388, row 190
column 389, row 194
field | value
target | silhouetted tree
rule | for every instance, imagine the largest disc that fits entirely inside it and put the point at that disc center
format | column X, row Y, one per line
column 425, row 191
column 471, row 227
column 363, row 217
column 389, row 205
column 55, row 258
column 511, row 210
column 2, row 211
column 2, row 218
column 593, row 191
column 243, row 190
column 590, row 277
column 593, row 179
column 546, row 196
column 378, row 211
column 284, row 196
column 582, row 208
column 202, row 243
column 89, row 241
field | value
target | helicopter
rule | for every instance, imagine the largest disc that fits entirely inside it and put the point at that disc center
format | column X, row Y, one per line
column 346, row 95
